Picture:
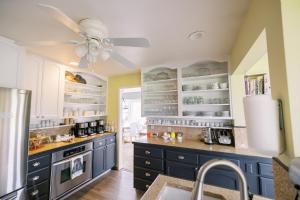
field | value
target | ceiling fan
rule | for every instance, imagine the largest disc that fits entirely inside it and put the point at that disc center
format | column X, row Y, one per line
column 95, row 41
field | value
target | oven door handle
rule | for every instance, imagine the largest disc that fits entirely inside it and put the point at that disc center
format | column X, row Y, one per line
column 69, row 159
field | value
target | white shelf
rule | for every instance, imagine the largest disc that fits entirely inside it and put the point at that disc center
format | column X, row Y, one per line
column 60, row 126
column 207, row 104
column 189, row 126
column 88, row 116
column 83, row 94
column 162, row 91
column 189, row 117
column 84, row 85
column 200, row 91
column 83, row 104
column 155, row 104
column 204, row 77
column 160, row 81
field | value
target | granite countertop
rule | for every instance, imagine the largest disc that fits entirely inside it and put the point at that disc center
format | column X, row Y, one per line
column 198, row 145
column 153, row 193
column 55, row 145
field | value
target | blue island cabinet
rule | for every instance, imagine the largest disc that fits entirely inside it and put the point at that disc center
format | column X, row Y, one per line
column 151, row 160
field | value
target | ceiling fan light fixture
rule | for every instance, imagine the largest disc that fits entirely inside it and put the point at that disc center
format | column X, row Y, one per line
column 195, row 35
column 81, row 50
column 105, row 55
column 74, row 63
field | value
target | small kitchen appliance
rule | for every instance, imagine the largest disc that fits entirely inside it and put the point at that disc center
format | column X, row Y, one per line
column 100, row 126
column 80, row 130
column 218, row 136
column 92, row 128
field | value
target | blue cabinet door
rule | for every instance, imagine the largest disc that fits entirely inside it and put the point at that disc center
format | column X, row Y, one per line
column 222, row 178
column 180, row 170
column 266, row 186
column 99, row 161
column 110, row 156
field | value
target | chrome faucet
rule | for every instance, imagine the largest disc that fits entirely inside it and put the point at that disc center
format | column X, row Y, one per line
column 197, row 193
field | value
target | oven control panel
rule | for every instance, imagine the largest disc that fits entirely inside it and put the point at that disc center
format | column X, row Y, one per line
column 73, row 151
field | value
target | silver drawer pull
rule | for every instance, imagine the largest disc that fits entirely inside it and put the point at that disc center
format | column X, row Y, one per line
column 147, row 186
column 36, row 164
column 100, row 143
column 181, row 157
column 147, row 152
column 35, row 178
column 35, row 192
column 147, row 162
column 111, row 140
column 147, row 174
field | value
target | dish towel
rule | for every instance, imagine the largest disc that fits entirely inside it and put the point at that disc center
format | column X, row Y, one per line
column 76, row 166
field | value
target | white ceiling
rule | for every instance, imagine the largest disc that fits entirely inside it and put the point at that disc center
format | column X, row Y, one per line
column 166, row 23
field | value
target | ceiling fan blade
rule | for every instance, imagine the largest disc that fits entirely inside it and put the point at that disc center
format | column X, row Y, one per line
column 50, row 43
column 61, row 17
column 83, row 62
column 131, row 42
column 117, row 57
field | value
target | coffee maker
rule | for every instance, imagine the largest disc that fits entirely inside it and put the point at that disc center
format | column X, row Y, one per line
column 100, row 126
column 80, row 130
column 92, row 128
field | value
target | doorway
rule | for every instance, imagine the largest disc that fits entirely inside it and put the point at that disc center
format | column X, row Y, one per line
column 131, row 125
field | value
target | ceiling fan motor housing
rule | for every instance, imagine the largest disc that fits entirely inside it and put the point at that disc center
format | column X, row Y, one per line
column 93, row 28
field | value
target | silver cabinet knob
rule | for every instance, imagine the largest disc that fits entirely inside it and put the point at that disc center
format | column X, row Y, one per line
column 35, row 192
column 36, row 164
column 147, row 186
column 147, row 162
column 181, row 157
column 35, row 178
column 147, row 152
column 147, row 174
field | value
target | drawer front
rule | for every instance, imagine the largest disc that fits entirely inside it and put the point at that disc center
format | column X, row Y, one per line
column 38, row 176
column 38, row 191
column 265, row 169
column 145, row 173
column 99, row 143
column 205, row 158
column 149, row 163
column 110, row 139
column 180, row 170
column 38, row 163
column 189, row 158
column 141, row 184
column 149, row 152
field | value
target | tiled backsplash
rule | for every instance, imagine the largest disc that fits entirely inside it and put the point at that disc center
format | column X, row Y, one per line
column 51, row 131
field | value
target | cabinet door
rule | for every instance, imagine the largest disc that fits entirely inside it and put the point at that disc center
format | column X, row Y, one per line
column 9, row 64
column 266, row 187
column 222, row 178
column 31, row 80
column 99, row 161
column 110, row 155
column 179, row 170
column 51, row 93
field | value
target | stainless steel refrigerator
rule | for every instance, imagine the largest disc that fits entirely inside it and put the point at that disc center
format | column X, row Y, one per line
column 14, row 131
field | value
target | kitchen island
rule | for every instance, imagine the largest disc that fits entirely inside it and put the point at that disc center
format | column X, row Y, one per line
column 155, row 190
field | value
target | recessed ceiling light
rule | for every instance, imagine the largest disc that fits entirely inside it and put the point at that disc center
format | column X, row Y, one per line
column 196, row 35
column 74, row 63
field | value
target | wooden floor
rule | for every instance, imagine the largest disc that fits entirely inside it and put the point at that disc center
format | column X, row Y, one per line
column 116, row 185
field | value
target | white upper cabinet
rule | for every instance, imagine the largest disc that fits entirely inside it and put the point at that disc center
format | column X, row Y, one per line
column 52, row 90
column 45, row 79
column 10, row 55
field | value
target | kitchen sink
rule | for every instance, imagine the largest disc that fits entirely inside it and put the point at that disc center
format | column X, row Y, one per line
column 176, row 192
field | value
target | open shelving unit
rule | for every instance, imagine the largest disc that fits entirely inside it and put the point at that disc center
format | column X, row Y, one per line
column 85, row 100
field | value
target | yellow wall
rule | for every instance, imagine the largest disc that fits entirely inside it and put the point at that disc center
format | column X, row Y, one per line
column 266, row 14
column 115, row 83
column 291, row 33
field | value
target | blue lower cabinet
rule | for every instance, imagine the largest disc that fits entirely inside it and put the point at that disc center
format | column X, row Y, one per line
column 181, row 170
column 110, row 156
column 266, row 186
column 222, row 178
column 99, row 161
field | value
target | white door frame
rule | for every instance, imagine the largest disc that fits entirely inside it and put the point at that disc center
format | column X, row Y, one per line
column 120, row 133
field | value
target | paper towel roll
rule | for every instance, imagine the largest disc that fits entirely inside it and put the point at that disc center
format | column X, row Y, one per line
column 262, row 121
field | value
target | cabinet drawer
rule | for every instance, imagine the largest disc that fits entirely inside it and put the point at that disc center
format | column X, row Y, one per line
column 189, row 158
column 99, row 143
column 205, row 158
column 181, row 170
column 145, row 173
column 38, row 191
column 148, row 152
column 38, row 176
column 110, row 139
column 141, row 184
column 265, row 169
column 149, row 163
column 38, row 163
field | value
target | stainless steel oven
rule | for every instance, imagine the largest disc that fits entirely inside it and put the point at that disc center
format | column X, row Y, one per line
column 62, row 179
